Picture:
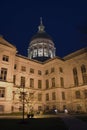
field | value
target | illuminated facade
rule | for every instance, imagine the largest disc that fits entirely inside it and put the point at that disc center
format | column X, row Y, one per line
column 50, row 83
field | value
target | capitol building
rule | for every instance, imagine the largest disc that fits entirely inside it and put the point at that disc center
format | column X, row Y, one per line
column 42, row 81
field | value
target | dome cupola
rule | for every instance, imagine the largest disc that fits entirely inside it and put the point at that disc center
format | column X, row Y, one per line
column 41, row 46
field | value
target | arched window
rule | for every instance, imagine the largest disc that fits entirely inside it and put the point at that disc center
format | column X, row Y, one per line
column 75, row 75
column 84, row 74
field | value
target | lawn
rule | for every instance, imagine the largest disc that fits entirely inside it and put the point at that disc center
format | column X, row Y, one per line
column 33, row 124
column 82, row 117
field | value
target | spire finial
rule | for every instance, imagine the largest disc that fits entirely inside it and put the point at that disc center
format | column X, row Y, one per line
column 41, row 21
column 41, row 26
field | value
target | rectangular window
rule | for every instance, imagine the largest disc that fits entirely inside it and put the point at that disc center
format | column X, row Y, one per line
column 63, row 96
column 31, row 70
column 23, row 68
column 3, row 75
column 22, row 84
column 61, row 81
column 31, row 83
column 1, row 108
column 2, row 92
column 39, row 83
column 85, row 93
column 46, row 72
column 5, row 58
column 39, row 97
column 39, row 72
column 47, row 84
column 31, row 96
column 53, row 82
column 53, row 96
column 15, row 67
column 52, row 70
column 47, row 97
column 60, row 70
column 14, row 79
column 77, row 93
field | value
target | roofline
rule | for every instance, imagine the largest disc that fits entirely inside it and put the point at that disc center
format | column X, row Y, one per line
column 76, row 53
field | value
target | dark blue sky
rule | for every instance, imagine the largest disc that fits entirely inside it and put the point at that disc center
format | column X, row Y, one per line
column 64, row 20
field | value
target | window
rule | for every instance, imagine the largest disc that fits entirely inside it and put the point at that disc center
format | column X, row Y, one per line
column 1, row 108
column 47, row 84
column 5, row 58
column 52, row 70
column 2, row 92
column 77, row 93
column 60, row 70
column 13, row 93
column 31, row 96
column 15, row 66
column 53, row 82
column 53, row 96
column 14, row 79
column 39, row 108
column 31, row 83
column 75, row 75
column 39, row 72
column 23, row 68
column 46, row 72
column 31, row 70
column 63, row 96
column 22, row 84
column 84, row 74
column 61, row 81
column 85, row 93
column 39, row 97
column 3, row 75
column 39, row 84
column 47, row 97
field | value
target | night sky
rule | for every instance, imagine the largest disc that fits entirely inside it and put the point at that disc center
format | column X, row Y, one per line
column 64, row 20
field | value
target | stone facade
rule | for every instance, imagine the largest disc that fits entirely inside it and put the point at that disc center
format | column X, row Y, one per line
column 57, row 83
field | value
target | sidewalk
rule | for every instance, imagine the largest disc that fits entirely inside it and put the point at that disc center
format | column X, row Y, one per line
column 74, row 123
